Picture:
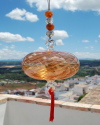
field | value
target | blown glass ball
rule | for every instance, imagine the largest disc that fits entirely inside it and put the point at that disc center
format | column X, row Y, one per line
column 50, row 65
column 50, row 26
column 49, row 20
column 48, row 13
column 50, row 33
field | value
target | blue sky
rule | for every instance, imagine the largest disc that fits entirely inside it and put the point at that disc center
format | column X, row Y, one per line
column 23, row 27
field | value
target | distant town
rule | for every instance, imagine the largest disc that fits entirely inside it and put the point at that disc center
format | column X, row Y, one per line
column 69, row 91
column 14, row 81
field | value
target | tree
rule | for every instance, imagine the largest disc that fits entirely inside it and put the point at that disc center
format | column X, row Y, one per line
column 2, row 84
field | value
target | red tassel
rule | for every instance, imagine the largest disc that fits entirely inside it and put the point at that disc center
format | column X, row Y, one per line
column 51, row 92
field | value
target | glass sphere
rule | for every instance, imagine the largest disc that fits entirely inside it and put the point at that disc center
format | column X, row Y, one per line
column 50, row 26
column 50, row 65
column 48, row 13
column 50, row 33
column 49, row 20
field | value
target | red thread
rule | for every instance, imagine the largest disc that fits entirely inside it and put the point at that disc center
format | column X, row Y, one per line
column 51, row 92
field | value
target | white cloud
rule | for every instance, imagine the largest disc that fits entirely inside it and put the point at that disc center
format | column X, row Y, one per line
column 6, row 47
column 72, row 5
column 99, row 36
column 87, row 55
column 29, row 39
column 44, row 38
column 8, row 37
column 60, row 34
column 59, row 42
column 19, row 14
column 0, row 43
column 96, row 41
column 12, row 46
column 5, row 54
column 40, row 49
column 85, row 41
column 31, row 17
column 92, row 47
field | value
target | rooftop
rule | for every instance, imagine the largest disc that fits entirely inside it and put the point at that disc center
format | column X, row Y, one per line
column 82, row 85
column 93, row 97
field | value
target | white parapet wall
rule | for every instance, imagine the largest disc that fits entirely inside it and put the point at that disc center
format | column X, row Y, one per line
column 3, row 103
column 36, row 111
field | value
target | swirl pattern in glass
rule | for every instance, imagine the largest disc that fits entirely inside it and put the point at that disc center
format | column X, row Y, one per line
column 50, row 65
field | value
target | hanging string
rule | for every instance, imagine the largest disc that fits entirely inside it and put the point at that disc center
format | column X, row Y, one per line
column 48, row 4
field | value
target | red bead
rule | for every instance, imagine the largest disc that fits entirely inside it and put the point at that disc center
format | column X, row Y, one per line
column 50, row 26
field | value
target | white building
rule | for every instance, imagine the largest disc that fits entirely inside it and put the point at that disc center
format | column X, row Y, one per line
column 80, row 89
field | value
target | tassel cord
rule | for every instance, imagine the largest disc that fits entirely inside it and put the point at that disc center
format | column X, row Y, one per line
column 51, row 92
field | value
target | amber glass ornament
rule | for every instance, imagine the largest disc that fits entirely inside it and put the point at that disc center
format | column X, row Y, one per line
column 50, row 26
column 50, row 65
column 48, row 13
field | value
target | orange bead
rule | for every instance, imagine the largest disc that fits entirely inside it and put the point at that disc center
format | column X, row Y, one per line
column 48, row 13
column 50, row 26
